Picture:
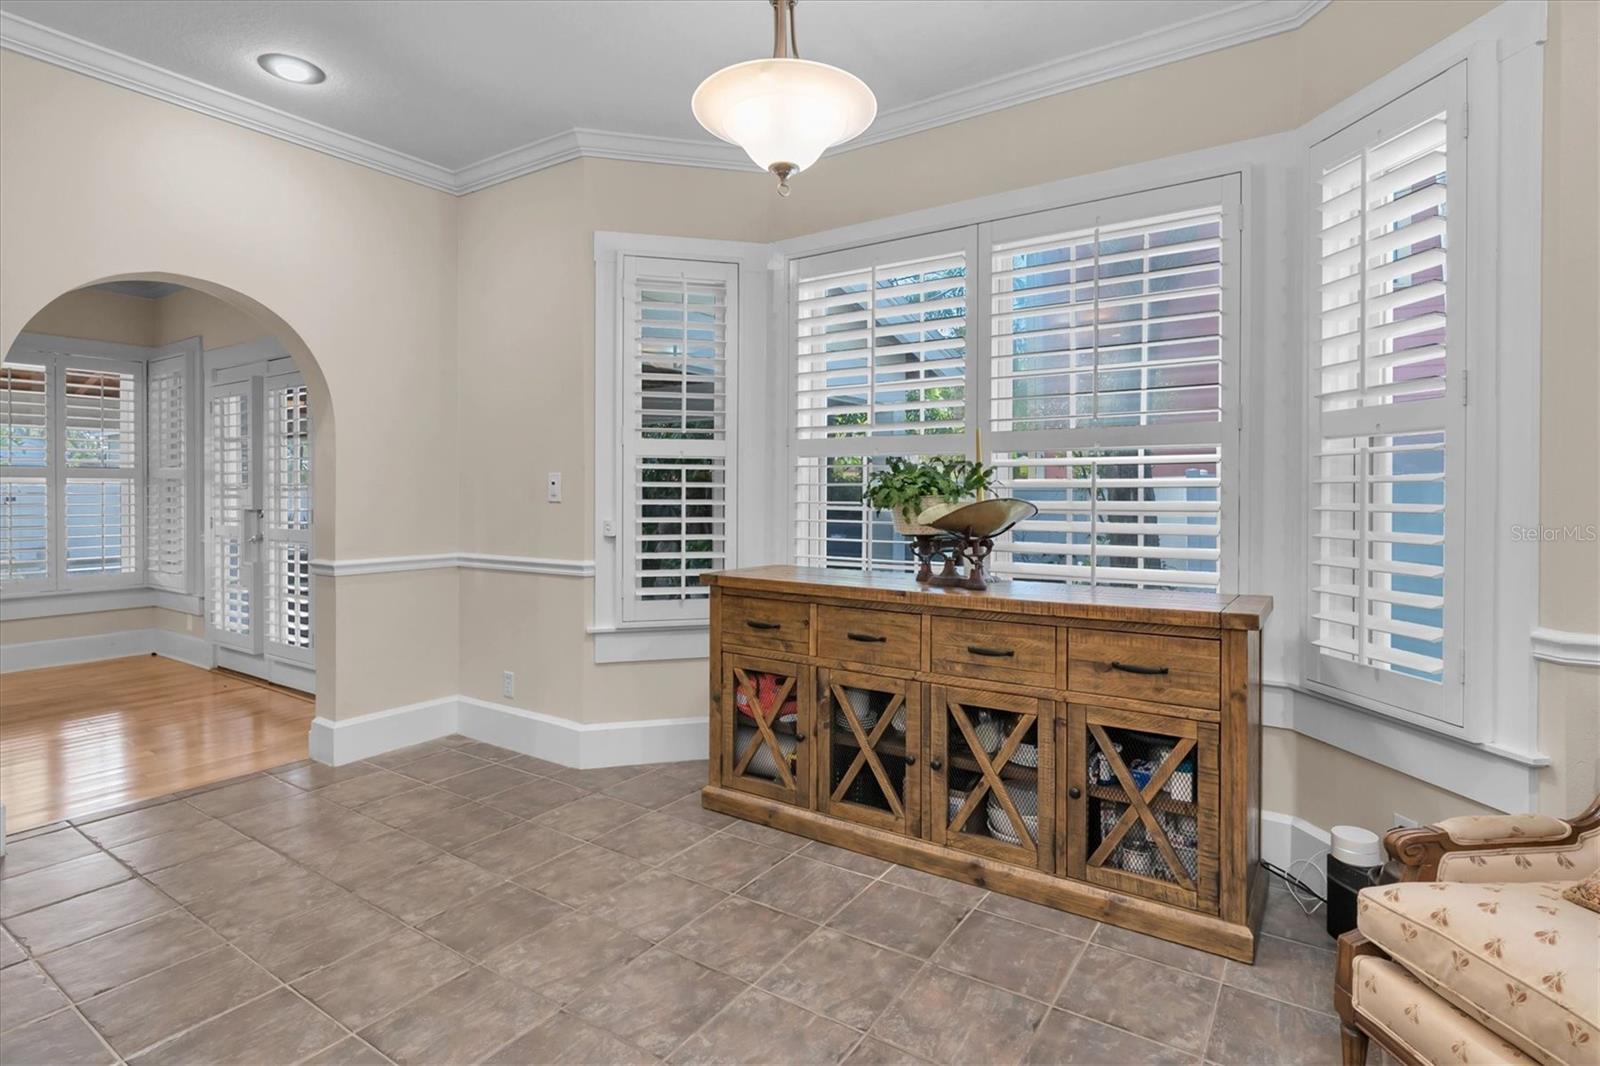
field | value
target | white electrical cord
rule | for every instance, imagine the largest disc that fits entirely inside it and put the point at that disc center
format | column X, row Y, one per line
column 1311, row 904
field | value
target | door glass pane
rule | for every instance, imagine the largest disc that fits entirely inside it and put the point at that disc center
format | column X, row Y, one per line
column 867, row 757
column 762, row 698
column 1159, row 837
column 986, row 745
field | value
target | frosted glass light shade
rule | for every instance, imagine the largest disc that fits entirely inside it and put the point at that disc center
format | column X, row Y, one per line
column 784, row 110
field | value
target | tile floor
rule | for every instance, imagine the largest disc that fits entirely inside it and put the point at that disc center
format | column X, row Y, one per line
column 456, row 902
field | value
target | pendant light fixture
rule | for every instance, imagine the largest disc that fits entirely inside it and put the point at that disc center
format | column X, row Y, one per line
column 784, row 111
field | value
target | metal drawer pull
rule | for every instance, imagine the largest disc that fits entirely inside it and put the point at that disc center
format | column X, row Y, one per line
column 1134, row 668
column 753, row 624
column 866, row 638
column 991, row 653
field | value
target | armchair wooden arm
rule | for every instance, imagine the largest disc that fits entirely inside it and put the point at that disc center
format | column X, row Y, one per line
column 1418, row 851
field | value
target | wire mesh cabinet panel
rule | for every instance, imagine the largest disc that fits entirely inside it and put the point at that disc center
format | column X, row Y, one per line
column 870, row 755
column 991, row 759
column 1141, row 804
column 766, row 722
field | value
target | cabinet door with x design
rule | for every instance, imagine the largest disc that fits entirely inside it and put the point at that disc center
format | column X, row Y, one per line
column 991, row 759
column 1141, row 804
column 871, row 732
column 766, row 719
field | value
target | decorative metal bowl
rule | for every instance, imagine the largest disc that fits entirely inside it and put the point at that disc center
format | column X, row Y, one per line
column 978, row 519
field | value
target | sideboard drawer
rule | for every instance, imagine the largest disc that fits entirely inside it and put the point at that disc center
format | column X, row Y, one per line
column 996, row 651
column 1143, row 666
column 781, row 625
column 877, row 637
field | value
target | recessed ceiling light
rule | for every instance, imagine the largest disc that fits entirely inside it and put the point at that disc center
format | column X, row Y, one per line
column 291, row 68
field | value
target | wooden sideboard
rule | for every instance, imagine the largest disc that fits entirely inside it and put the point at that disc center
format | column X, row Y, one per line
column 1097, row 751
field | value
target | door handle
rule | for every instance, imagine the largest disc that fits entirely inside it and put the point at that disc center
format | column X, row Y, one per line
column 1135, row 668
column 866, row 638
column 911, row 758
column 935, row 763
column 1074, row 792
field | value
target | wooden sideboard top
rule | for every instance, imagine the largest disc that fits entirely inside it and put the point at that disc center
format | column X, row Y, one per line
column 1042, row 598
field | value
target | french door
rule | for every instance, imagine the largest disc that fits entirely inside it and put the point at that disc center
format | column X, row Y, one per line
column 258, row 521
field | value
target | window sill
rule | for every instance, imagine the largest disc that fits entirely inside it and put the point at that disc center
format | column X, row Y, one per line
column 17, row 607
column 1495, row 776
column 651, row 643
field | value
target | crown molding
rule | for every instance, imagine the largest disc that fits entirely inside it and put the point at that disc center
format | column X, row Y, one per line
column 63, row 50
column 1246, row 21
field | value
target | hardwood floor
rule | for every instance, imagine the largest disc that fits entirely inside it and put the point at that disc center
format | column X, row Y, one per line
column 82, row 738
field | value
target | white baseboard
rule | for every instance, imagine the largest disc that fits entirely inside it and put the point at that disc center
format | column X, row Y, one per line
column 196, row 651
column 1287, row 840
column 338, row 743
column 38, row 654
column 585, row 745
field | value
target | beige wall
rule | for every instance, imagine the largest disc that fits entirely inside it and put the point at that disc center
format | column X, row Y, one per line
column 526, row 344
column 1569, row 439
column 191, row 313
column 351, row 266
column 90, row 314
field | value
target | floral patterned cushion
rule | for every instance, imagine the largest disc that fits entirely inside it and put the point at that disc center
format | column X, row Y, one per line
column 1419, row 1021
column 1569, row 862
column 1585, row 893
column 1516, row 957
column 1491, row 828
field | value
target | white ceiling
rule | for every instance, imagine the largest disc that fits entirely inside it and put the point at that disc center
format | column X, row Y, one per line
column 449, row 90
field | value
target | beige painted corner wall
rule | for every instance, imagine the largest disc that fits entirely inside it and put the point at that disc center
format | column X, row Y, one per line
column 94, row 315
column 354, row 270
column 526, row 345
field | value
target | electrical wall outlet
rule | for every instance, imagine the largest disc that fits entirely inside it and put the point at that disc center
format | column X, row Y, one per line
column 508, row 685
column 1404, row 821
column 552, row 491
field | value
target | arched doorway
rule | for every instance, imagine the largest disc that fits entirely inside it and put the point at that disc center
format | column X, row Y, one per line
column 161, row 439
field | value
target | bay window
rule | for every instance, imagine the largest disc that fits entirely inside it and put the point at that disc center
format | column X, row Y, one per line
column 1096, row 367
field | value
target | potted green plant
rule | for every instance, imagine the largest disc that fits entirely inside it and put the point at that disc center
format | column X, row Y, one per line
column 907, row 487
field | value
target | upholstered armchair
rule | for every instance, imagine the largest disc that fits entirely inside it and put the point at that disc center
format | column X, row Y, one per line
column 1475, row 956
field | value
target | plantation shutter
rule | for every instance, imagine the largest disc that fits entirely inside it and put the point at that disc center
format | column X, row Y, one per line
column 1113, row 348
column 25, row 467
column 882, row 368
column 286, row 540
column 680, row 335
column 167, row 473
column 1387, row 404
column 100, row 403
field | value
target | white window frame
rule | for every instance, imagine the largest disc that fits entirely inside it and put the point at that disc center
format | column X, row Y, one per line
column 618, row 638
column 1435, row 705
column 47, row 598
column 1495, row 309
column 58, row 355
column 1131, row 193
